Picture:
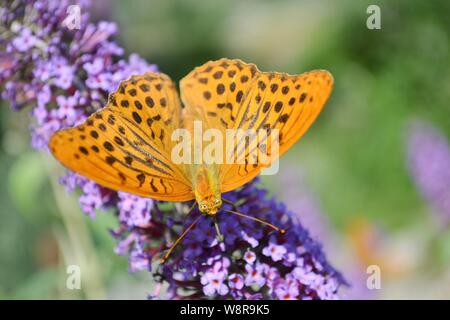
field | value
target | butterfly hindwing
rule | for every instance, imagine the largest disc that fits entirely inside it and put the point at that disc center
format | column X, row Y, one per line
column 126, row 145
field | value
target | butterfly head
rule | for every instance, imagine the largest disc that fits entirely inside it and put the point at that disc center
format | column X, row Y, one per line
column 210, row 206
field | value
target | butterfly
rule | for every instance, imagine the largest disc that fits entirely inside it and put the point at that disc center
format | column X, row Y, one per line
column 128, row 144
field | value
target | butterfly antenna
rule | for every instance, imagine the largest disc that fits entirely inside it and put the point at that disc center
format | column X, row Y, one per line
column 174, row 245
column 256, row 219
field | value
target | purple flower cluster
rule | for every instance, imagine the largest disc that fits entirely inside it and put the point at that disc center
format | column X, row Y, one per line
column 252, row 262
column 64, row 75
column 429, row 164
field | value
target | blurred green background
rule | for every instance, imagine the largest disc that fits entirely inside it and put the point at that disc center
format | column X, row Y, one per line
column 352, row 160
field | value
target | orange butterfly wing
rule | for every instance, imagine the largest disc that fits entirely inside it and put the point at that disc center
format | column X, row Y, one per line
column 231, row 94
column 127, row 145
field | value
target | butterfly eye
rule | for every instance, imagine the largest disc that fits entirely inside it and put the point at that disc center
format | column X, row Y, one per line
column 217, row 202
column 202, row 206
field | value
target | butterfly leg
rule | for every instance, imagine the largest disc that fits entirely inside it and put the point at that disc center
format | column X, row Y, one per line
column 191, row 209
column 219, row 234
column 234, row 205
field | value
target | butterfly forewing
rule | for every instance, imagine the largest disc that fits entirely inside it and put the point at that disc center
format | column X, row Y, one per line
column 127, row 145
column 289, row 104
column 214, row 91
